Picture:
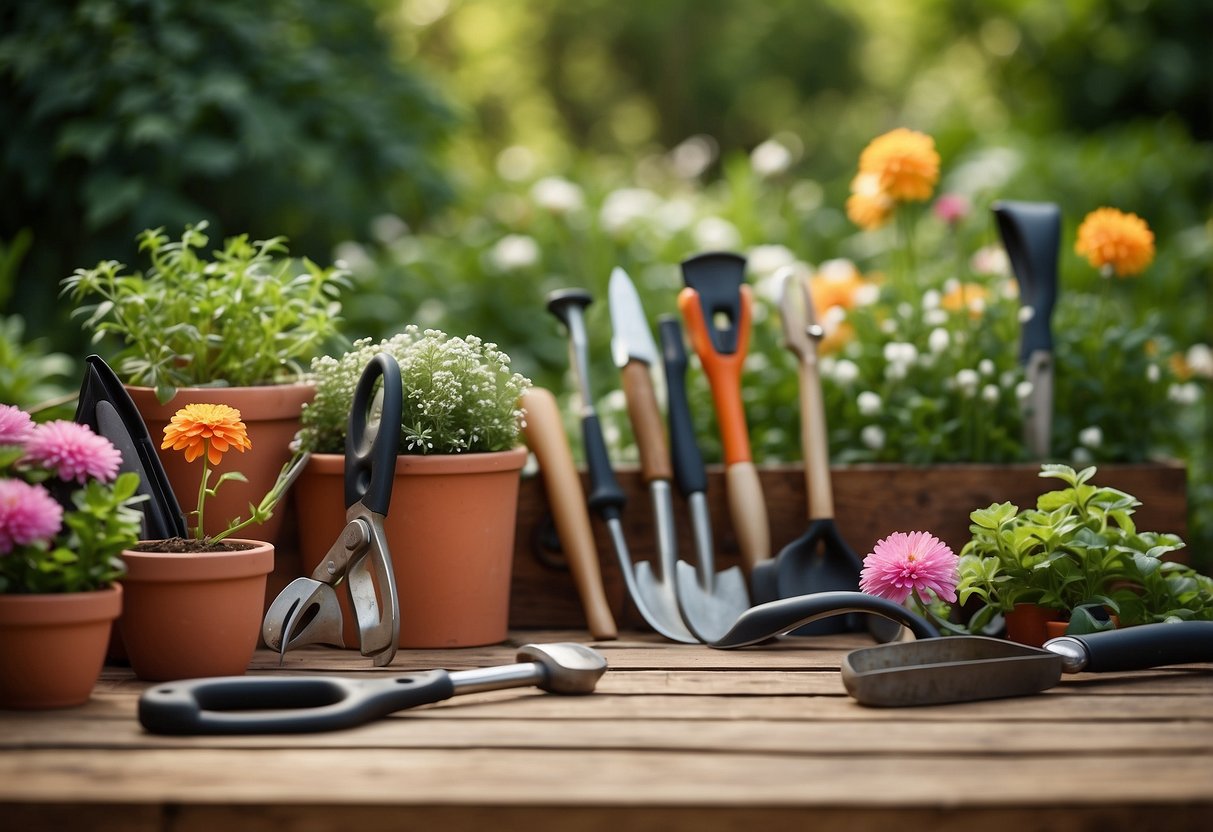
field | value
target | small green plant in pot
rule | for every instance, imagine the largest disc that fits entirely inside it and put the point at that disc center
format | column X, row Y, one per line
column 1079, row 553
column 237, row 328
column 459, row 452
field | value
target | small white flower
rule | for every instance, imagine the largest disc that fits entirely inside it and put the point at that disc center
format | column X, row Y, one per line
column 866, row 295
column 766, row 260
column 872, row 436
column 833, row 318
column 1081, row 456
column 900, row 352
column 986, row 367
column 990, row 394
column 558, row 195
column 675, row 214
column 931, row 299
column 888, row 326
column 905, row 310
column 692, row 156
column 770, row 158
column 1184, row 394
column 1026, row 313
column 353, row 256
column 990, row 260
column 846, row 372
column 516, row 163
column 1153, row 374
column 716, row 234
column 935, row 317
column 387, row 228
column 869, row 403
column 624, row 207
column 895, row 371
column 939, row 340
column 1199, row 358
column 1091, row 437
column 513, row 252
column 967, row 380
column 1023, row 390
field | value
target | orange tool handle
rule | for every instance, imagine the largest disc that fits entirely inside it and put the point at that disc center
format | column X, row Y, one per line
column 723, row 371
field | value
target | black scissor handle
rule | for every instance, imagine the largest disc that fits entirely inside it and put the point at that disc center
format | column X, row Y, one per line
column 370, row 455
column 1031, row 235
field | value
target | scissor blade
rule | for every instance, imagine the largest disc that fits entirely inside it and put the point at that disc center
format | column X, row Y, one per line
column 631, row 339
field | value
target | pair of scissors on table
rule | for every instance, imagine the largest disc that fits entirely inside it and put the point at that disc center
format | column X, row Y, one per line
column 307, row 610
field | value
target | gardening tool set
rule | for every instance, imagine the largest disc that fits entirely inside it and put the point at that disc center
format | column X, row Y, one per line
column 695, row 603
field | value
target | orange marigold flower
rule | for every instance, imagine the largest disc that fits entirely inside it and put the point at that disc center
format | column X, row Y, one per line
column 209, row 428
column 905, row 163
column 868, row 206
column 836, row 283
column 972, row 295
column 1116, row 241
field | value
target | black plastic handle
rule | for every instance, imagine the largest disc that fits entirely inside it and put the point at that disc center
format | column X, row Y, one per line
column 717, row 277
column 561, row 300
column 776, row 618
column 1031, row 234
column 689, row 472
column 1149, row 645
column 370, row 456
column 605, row 497
column 284, row 705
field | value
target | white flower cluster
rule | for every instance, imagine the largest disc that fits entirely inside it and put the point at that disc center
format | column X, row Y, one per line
column 460, row 395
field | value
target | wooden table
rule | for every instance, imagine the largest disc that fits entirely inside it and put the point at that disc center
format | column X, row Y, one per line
column 676, row 737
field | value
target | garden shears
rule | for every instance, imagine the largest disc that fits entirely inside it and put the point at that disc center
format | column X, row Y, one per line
column 307, row 610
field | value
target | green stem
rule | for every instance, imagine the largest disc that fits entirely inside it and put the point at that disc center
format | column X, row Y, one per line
column 206, row 475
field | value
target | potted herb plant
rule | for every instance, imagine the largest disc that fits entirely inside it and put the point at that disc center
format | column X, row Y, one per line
column 236, row 328
column 1075, row 555
column 193, row 605
column 451, row 524
column 65, row 515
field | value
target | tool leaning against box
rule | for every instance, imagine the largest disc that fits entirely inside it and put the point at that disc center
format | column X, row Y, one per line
column 307, row 610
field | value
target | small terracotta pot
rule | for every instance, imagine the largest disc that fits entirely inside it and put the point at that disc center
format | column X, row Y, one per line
column 52, row 646
column 193, row 615
column 1026, row 623
column 450, row 530
column 1057, row 629
column 270, row 413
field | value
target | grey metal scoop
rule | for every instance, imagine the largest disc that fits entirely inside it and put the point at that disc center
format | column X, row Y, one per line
column 967, row 668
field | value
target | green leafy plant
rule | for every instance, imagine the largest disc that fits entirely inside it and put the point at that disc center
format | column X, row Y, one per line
column 247, row 317
column 67, row 513
column 1078, row 549
column 460, row 395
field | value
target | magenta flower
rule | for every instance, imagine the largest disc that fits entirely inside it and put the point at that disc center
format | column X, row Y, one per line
column 28, row 514
column 15, row 425
column 73, row 452
column 915, row 562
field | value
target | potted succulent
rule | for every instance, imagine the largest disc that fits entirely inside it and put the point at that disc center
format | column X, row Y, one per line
column 236, row 328
column 451, row 524
column 193, row 605
column 65, row 515
column 1077, row 555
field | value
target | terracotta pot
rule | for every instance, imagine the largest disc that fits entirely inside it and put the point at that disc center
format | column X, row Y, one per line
column 52, row 646
column 450, row 530
column 1026, row 623
column 193, row 615
column 271, row 414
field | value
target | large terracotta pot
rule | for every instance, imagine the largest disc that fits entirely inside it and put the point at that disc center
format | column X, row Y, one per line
column 450, row 529
column 52, row 646
column 193, row 615
column 271, row 414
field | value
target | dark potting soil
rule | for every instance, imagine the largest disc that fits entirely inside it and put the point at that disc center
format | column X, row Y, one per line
column 189, row 546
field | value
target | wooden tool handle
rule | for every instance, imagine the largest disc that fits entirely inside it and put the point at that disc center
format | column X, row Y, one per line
column 723, row 372
column 813, row 441
column 645, row 415
column 546, row 438
column 748, row 511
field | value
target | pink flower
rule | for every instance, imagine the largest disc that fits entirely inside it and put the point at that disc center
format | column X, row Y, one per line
column 73, row 451
column 28, row 514
column 915, row 562
column 15, row 425
column 951, row 208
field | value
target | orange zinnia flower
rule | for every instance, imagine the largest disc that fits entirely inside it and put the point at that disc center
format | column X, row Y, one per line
column 836, row 283
column 209, row 428
column 868, row 206
column 1116, row 241
column 905, row 163
column 972, row 295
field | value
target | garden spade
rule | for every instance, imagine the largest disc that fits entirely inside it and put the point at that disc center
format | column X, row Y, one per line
column 1031, row 234
column 966, row 668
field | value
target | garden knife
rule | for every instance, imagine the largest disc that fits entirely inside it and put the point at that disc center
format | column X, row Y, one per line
column 635, row 353
column 1031, row 234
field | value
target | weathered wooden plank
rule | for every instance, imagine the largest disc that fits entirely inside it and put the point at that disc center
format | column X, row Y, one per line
column 870, row 501
column 196, row 817
column 589, row 777
column 1071, row 741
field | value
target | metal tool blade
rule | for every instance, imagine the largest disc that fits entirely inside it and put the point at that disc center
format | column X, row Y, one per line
column 631, row 339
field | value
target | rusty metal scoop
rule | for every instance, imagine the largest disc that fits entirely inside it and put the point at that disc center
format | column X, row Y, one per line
column 936, row 671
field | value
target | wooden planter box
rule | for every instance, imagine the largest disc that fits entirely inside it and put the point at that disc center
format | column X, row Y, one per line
column 870, row 501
